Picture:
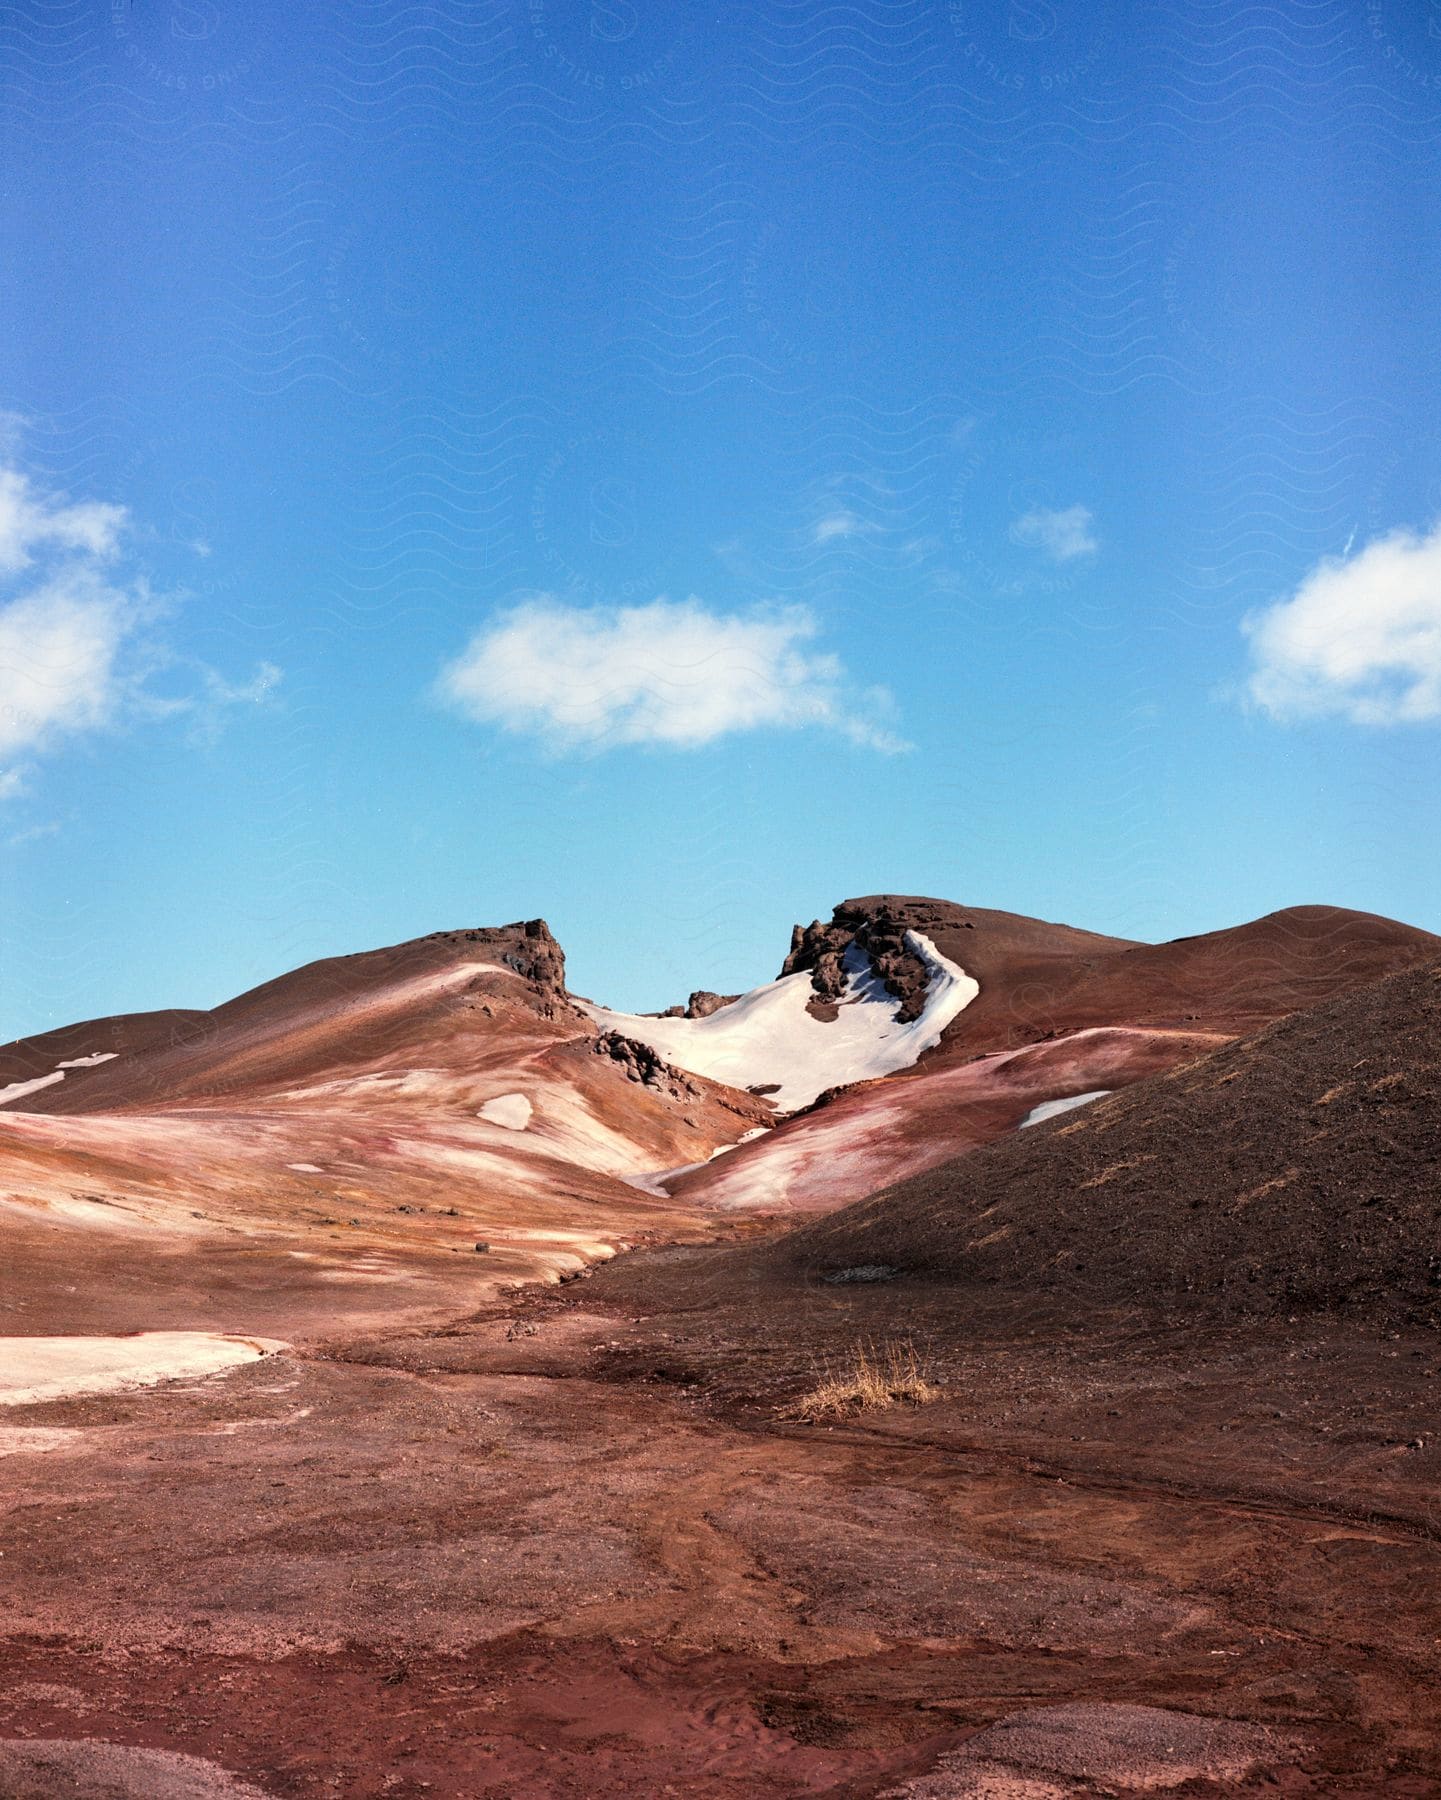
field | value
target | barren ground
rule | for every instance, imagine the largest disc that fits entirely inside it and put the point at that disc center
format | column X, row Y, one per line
column 564, row 1546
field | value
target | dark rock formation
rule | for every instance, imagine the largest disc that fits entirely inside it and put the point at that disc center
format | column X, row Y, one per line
column 526, row 946
column 881, row 933
column 701, row 1005
column 643, row 1064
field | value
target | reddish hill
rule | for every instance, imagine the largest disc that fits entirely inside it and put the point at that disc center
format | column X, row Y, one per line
column 1294, row 1169
column 1038, row 978
column 1061, row 1012
column 395, row 1107
column 334, row 1140
column 343, row 1012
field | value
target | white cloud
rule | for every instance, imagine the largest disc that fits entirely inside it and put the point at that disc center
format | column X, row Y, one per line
column 840, row 524
column 58, row 646
column 1063, row 533
column 668, row 673
column 74, row 653
column 32, row 522
column 213, row 699
column 1360, row 639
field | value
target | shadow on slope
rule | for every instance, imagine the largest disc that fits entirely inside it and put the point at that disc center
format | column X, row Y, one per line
column 1292, row 1170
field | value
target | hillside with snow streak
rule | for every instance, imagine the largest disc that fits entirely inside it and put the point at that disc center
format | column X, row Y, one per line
column 776, row 1041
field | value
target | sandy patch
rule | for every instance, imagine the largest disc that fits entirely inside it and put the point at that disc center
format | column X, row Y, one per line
column 1065, row 1750
column 27, row 1440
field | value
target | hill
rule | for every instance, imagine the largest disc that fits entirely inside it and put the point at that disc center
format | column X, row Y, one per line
column 1292, row 1170
column 337, row 1140
column 1059, row 1013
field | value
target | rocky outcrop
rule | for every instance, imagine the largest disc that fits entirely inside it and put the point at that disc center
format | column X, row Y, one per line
column 538, row 958
column 643, row 1064
column 527, row 946
column 881, row 933
column 701, row 1005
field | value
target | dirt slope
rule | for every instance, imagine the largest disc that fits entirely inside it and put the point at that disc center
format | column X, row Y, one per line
column 343, row 1013
column 1292, row 1170
column 1089, row 1012
column 337, row 1142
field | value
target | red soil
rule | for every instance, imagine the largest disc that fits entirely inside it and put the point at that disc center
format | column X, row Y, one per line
column 555, row 1541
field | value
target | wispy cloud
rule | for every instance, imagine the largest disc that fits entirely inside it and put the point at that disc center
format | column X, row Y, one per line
column 1063, row 533
column 32, row 522
column 846, row 504
column 670, row 673
column 206, row 696
column 838, row 524
column 33, row 834
column 1360, row 639
column 74, row 614
column 59, row 644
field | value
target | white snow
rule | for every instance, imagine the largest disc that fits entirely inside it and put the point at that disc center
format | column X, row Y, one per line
column 768, row 1039
column 17, row 1090
column 651, row 1181
column 513, row 1111
column 51, row 1368
column 1050, row 1109
column 306, row 1168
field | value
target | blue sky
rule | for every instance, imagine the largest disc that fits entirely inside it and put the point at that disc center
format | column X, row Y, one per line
column 668, row 473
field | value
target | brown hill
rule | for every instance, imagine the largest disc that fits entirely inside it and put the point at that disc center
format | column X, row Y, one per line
column 338, row 1140
column 1295, row 1169
column 342, row 1012
column 1038, row 979
column 1060, row 1012
column 395, row 1107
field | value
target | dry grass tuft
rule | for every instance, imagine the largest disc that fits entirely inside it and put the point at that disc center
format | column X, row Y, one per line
column 873, row 1377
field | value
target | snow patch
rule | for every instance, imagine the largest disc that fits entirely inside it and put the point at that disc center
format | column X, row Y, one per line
column 513, row 1111
column 768, row 1039
column 52, row 1368
column 306, row 1168
column 17, row 1090
column 1051, row 1109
